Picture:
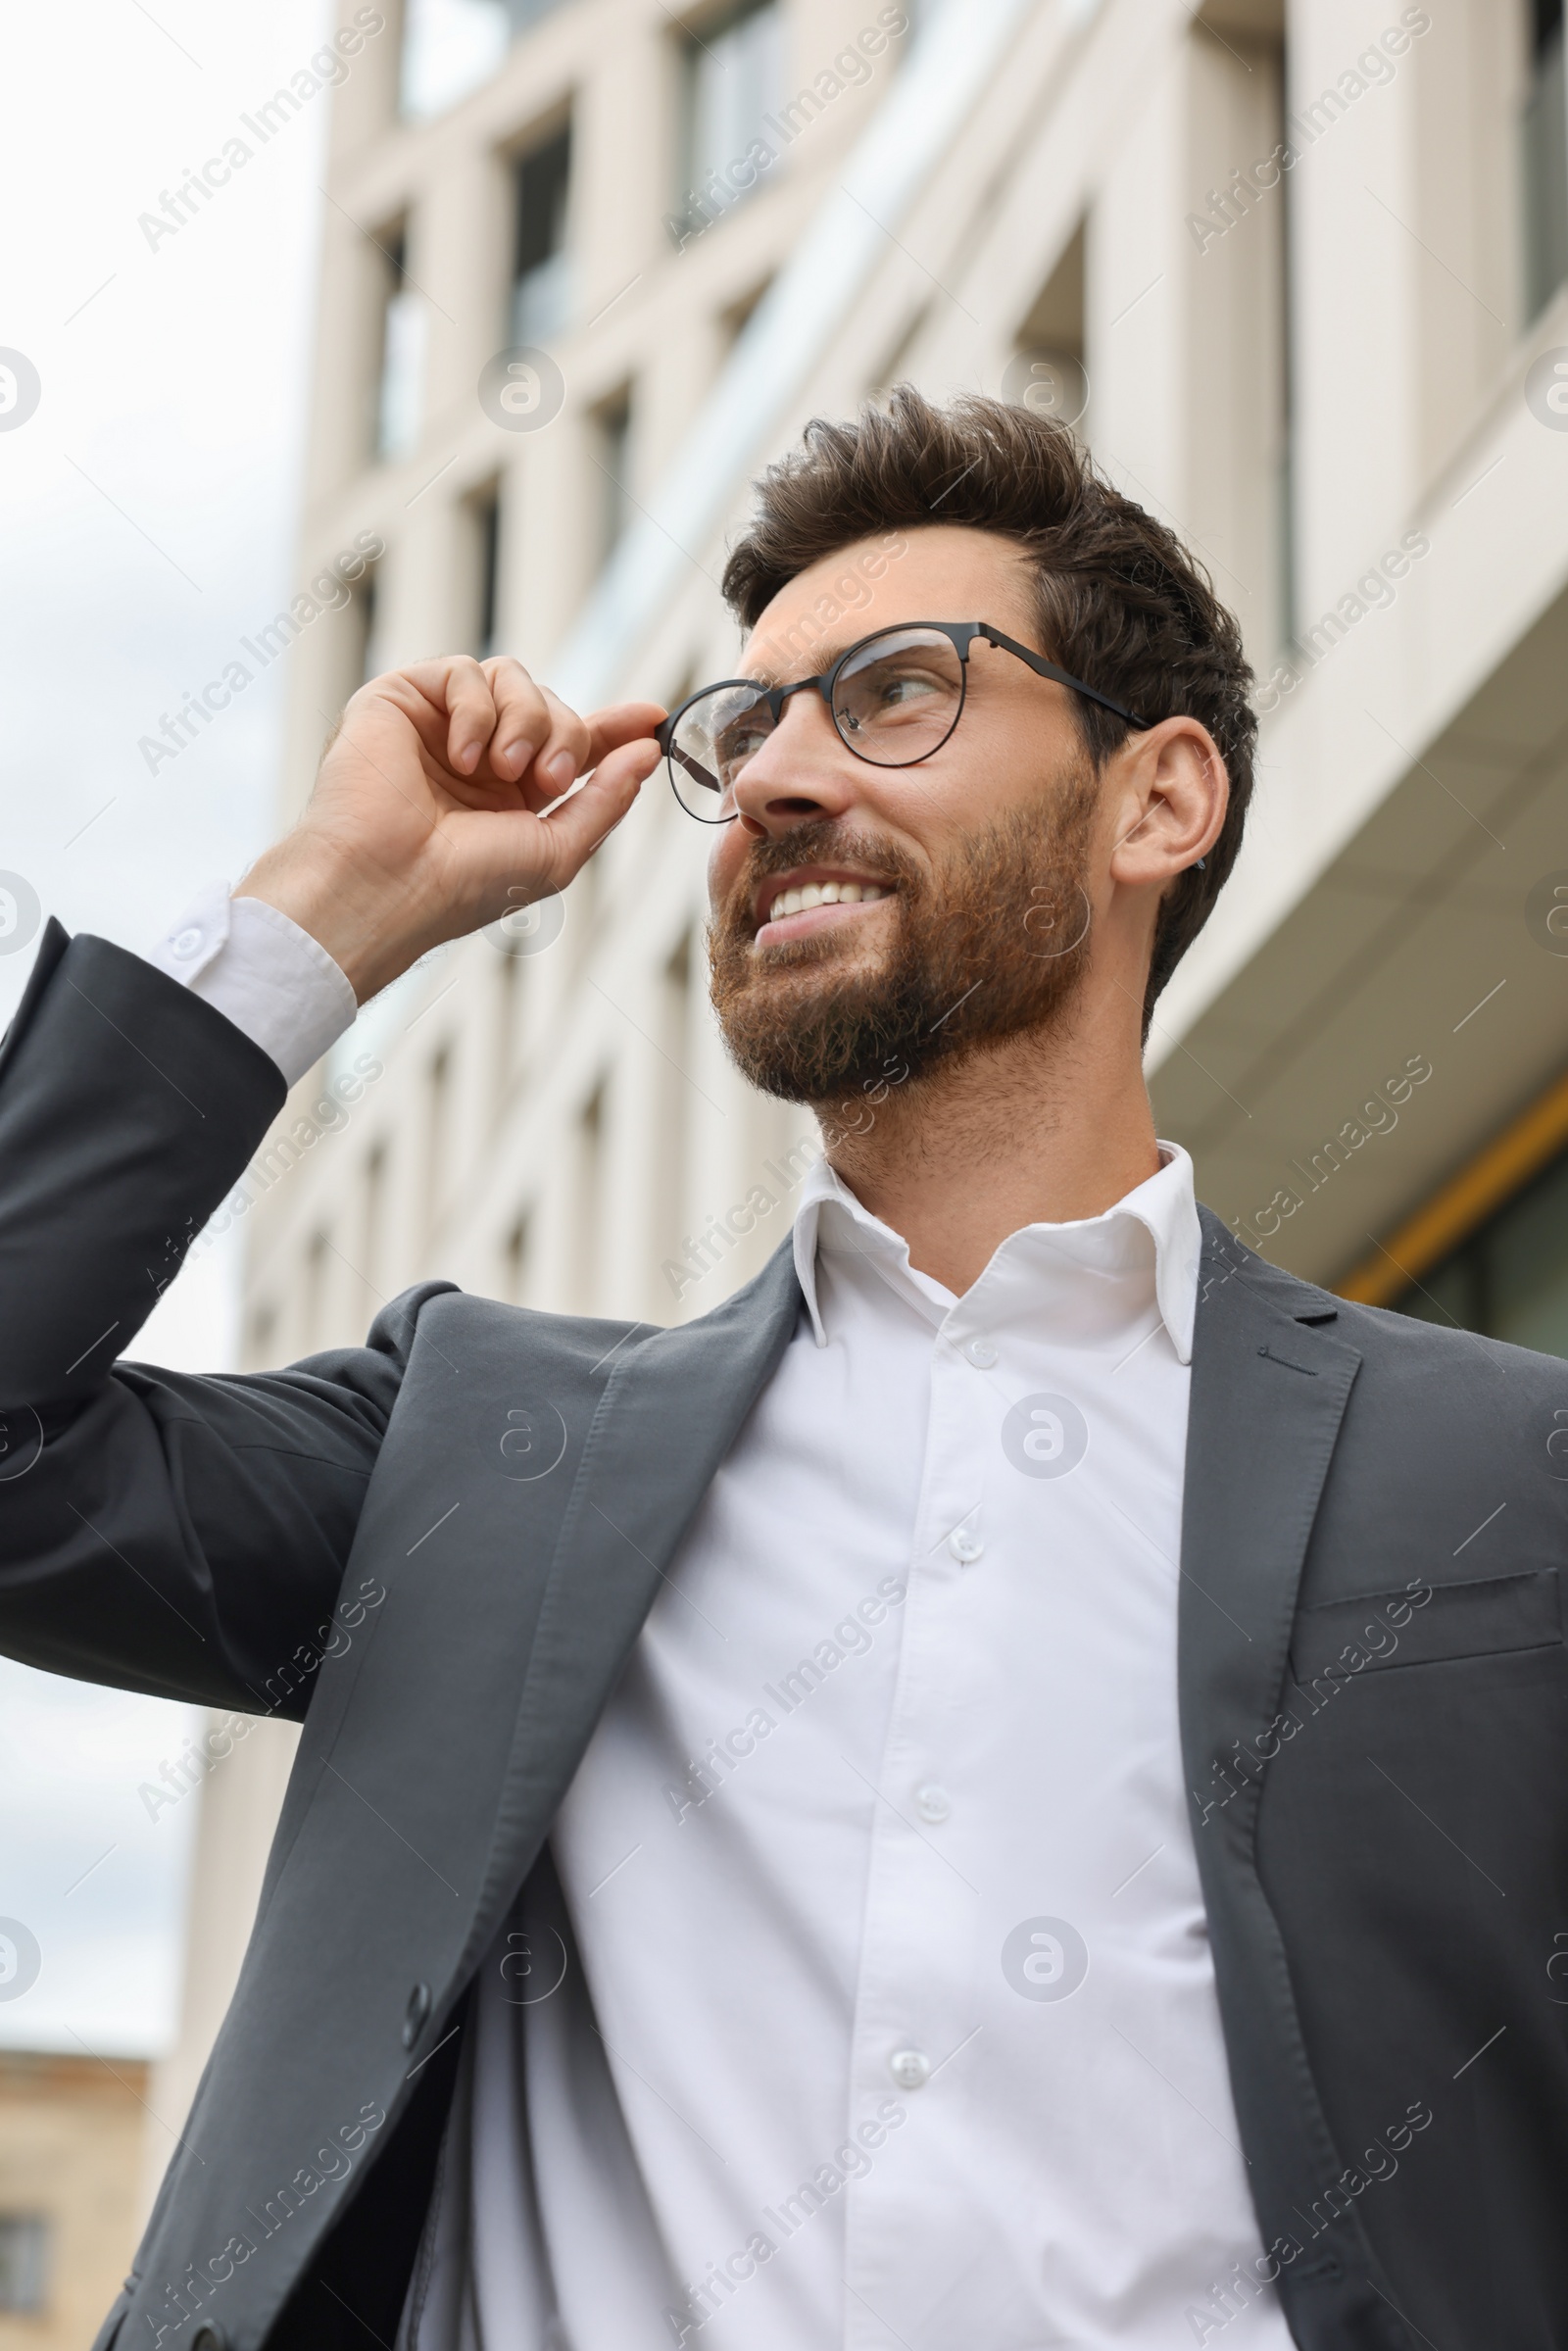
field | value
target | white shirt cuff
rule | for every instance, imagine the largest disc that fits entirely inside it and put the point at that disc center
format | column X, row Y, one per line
column 273, row 980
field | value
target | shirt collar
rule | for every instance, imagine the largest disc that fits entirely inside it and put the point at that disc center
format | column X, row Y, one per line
column 829, row 1213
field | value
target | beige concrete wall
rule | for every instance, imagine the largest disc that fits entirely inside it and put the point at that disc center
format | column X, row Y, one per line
column 71, row 2143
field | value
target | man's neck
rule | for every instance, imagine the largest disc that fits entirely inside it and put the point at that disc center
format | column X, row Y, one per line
column 1031, row 1130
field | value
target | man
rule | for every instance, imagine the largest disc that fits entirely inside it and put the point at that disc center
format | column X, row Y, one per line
column 1002, row 1788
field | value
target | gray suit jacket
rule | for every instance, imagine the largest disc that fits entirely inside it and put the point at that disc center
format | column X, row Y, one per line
column 437, row 1550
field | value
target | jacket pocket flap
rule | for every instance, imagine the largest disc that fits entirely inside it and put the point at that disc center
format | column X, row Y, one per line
column 1426, row 1623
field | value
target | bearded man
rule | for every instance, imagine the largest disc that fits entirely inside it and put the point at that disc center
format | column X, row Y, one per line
column 972, row 1797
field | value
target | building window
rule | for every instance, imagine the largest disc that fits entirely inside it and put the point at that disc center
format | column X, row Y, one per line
column 264, row 1331
column 517, row 1254
column 588, row 1231
column 1545, row 132
column 541, row 269
column 672, row 1155
column 1045, row 374
column 484, row 512
column 613, row 456
column 405, row 319
column 1509, row 1278
column 438, row 1120
column 23, row 2262
column 317, row 1251
column 1236, row 303
column 373, row 1228
column 1489, row 1251
column 732, row 76
column 368, row 614
column 450, row 47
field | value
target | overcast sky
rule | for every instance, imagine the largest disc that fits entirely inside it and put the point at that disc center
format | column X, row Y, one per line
column 147, row 510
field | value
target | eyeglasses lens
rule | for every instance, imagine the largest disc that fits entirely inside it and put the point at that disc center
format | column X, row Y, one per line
column 712, row 739
column 896, row 700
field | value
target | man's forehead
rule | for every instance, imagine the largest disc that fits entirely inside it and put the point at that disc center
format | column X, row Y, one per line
column 878, row 581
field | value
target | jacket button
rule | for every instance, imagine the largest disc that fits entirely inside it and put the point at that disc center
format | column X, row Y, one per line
column 208, row 2338
column 412, row 2026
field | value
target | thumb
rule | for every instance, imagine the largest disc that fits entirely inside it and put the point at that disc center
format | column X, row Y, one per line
column 620, row 722
column 576, row 825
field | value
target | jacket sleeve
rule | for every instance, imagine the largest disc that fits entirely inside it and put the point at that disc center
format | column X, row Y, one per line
column 181, row 1536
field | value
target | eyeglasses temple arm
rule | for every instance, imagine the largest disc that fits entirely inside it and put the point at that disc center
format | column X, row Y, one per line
column 1063, row 677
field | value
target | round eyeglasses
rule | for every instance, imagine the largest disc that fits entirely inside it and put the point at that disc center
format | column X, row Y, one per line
column 894, row 698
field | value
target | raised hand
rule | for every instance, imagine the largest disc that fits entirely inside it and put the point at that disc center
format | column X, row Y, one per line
column 439, row 806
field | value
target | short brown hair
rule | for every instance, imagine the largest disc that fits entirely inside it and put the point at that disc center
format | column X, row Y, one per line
column 1121, row 603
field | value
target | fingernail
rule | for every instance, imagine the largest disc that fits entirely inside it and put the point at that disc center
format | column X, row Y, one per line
column 562, row 769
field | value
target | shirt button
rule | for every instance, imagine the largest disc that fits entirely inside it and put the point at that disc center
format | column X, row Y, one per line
column 186, row 943
column 911, row 2068
column 933, row 1804
column 981, row 1353
column 966, row 1546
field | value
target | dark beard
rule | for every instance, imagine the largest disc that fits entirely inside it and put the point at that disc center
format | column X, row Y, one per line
column 994, row 943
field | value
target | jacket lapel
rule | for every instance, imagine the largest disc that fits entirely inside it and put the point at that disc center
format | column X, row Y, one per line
column 671, row 1409
column 1270, row 1385
column 1269, row 1393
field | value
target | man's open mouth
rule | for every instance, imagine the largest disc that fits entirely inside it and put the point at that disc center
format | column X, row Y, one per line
column 811, row 898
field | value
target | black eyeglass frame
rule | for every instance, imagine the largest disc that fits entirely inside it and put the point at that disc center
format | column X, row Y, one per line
column 961, row 635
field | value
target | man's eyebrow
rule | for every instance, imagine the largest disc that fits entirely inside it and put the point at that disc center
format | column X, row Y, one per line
column 821, row 656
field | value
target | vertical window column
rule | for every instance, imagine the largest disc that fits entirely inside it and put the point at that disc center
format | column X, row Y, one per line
column 405, row 328
column 613, row 422
column 484, row 519
column 732, row 78
column 1544, row 143
column 541, row 282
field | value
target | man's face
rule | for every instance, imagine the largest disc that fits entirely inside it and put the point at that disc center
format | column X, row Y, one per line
column 972, row 865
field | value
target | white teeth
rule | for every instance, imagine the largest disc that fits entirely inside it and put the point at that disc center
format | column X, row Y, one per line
column 823, row 894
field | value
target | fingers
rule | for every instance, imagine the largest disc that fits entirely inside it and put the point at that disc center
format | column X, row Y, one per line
column 532, row 724
column 492, row 714
column 471, row 712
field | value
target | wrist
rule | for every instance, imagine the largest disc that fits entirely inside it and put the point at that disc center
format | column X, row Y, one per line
column 357, row 916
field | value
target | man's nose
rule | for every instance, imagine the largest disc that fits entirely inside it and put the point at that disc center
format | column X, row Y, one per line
column 801, row 771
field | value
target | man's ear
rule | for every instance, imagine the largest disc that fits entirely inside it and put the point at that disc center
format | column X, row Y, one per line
column 1172, row 794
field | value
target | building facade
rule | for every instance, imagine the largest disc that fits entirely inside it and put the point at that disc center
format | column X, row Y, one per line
column 1295, row 270
column 72, row 2134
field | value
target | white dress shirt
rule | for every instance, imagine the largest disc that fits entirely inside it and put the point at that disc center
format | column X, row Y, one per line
column 868, row 2001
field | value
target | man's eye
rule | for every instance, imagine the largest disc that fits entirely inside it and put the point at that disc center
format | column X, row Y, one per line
column 910, row 685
